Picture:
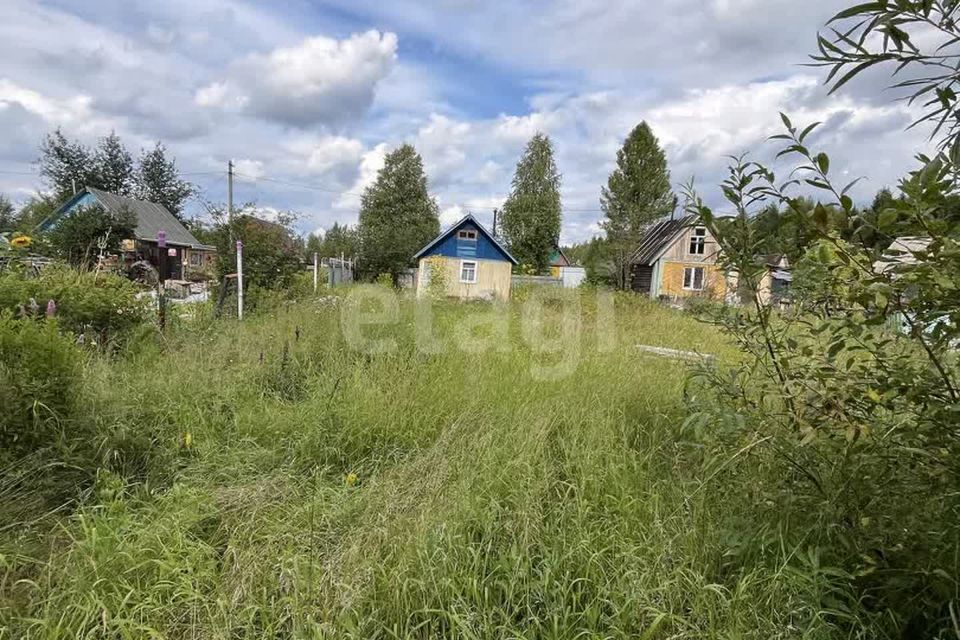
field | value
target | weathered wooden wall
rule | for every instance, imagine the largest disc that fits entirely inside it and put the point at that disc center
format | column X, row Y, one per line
column 493, row 278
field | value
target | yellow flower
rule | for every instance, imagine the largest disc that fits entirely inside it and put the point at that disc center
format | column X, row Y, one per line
column 187, row 439
column 21, row 242
column 351, row 479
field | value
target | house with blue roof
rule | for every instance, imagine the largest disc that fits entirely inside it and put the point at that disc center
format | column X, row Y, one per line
column 465, row 262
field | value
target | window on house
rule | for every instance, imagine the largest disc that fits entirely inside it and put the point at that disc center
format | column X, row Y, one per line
column 698, row 241
column 467, row 235
column 693, row 278
column 196, row 259
column 468, row 271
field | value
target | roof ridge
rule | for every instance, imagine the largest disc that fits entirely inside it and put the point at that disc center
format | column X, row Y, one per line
column 469, row 217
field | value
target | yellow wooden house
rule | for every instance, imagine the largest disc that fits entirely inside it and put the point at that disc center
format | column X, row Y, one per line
column 678, row 258
column 465, row 262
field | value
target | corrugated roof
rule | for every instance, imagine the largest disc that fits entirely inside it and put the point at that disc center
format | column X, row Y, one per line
column 658, row 237
column 151, row 218
column 901, row 251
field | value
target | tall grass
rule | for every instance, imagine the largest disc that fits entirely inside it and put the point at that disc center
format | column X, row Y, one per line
column 273, row 482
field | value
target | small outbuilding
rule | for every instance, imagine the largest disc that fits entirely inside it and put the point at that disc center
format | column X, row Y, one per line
column 465, row 262
column 571, row 275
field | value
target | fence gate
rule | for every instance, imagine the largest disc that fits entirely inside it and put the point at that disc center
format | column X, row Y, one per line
column 339, row 271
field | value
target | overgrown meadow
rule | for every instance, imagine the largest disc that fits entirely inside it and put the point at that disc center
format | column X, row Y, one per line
column 357, row 465
column 265, row 479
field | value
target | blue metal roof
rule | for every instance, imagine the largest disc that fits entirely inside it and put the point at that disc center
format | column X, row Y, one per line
column 486, row 247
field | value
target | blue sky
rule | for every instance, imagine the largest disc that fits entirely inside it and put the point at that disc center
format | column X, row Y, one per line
column 314, row 93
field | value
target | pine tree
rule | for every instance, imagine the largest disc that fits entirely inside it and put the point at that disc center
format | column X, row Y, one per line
column 531, row 214
column 157, row 180
column 397, row 215
column 67, row 166
column 637, row 193
column 114, row 166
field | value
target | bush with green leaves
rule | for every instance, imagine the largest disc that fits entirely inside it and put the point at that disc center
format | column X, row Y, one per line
column 104, row 304
column 81, row 236
column 39, row 372
column 854, row 421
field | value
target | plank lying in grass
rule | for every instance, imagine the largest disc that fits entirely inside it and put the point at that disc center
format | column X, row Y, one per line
column 676, row 354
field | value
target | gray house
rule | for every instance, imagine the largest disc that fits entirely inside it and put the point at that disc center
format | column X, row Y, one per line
column 184, row 253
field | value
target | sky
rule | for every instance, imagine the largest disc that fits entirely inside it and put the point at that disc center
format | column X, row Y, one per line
column 307, row 96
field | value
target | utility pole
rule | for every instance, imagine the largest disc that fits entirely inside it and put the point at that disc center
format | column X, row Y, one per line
column 230, row 201
column 230, row 191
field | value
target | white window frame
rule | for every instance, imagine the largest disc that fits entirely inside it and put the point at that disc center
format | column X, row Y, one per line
column 692, row 271
column 476, row 267
column 467, row 234
column 698, row 242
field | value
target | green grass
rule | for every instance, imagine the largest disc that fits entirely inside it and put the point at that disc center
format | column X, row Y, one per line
column 293, row 487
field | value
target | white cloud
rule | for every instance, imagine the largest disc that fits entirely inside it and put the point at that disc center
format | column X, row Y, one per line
column 71, row 111
column 332, row 152
column 519, row 129
column 450, row 215
column 213, row 95
column 249, row 168
column 320, row 81
column 370, row 165
column 442, row 142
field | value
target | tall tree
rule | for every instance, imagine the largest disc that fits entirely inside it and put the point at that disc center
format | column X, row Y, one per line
column 66, row 165
column 397, row 214
column 113, row 166
column 8, row 218
column 340, row 240
column 157, row 180
column 637, row 193
column 531, row 214
column 313, row 245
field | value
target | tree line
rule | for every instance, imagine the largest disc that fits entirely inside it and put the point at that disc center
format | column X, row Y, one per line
column 398, row 215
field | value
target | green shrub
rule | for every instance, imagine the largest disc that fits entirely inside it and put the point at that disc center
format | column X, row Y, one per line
column 854, row 423
column 301, row 285
column 79, row 236
column 102, row 303
column 39, row 371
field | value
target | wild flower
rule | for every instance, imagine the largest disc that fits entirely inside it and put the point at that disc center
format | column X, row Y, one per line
column 21, row 242
column 351, row 479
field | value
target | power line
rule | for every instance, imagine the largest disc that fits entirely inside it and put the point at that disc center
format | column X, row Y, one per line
column 296, row 184
column 359, row 195
column 465, row 198
column 182, row 173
